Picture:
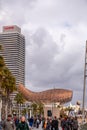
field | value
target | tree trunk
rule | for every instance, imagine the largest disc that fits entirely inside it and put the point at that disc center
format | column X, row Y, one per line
column 8, row 106
column 3, row 110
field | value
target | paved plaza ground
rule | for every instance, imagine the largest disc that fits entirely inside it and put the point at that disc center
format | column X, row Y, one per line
column 40, row 128
column 84, row 127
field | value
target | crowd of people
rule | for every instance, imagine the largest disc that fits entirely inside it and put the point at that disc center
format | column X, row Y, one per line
column 50, row 124
column 67, row 123
column 14, row 123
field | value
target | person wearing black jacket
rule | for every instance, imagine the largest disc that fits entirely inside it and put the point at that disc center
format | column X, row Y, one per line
column 22, row 125
column 55, row 124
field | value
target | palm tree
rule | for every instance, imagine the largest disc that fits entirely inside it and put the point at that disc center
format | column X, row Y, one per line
column 0, row 47
column 19, row 100
column 8, row 86
column 2, row 65
column 40, row 108
column 7, row 83
column 34, row 107
column 37, row 108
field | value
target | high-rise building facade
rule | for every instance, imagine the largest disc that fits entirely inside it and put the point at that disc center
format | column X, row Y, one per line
column 13, row 44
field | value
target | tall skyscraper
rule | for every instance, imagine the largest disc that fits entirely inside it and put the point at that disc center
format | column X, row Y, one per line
column 13, row 44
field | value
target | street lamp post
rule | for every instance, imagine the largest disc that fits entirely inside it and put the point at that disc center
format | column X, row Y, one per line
column 84, row 87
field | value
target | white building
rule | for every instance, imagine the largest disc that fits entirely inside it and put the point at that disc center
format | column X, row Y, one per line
column 13, row 44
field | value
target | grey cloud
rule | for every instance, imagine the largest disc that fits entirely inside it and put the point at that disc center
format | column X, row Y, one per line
column 54, row 14
column 52, row 68
column 45, row 48
column 15, row 11
column 19, row 3
column 50, row 61
column 42, row 55
column 46, row 71
column 45, row 13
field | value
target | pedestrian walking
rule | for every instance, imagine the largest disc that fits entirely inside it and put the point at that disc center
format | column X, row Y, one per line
column 55, row 123
column 31, row 122
column 9, row 124
column 75, row 124
column 44, row 123
column 48, row 125
column 23, row 124
column 37, row 123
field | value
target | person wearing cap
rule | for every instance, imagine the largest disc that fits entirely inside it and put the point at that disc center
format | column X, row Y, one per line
column 23, row 124
column 9, row 124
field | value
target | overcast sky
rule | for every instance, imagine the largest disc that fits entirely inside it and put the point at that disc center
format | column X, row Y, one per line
column 55, row 33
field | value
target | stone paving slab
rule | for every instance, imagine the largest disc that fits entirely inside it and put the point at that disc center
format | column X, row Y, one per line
column 83, row 127
column 40, row 128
